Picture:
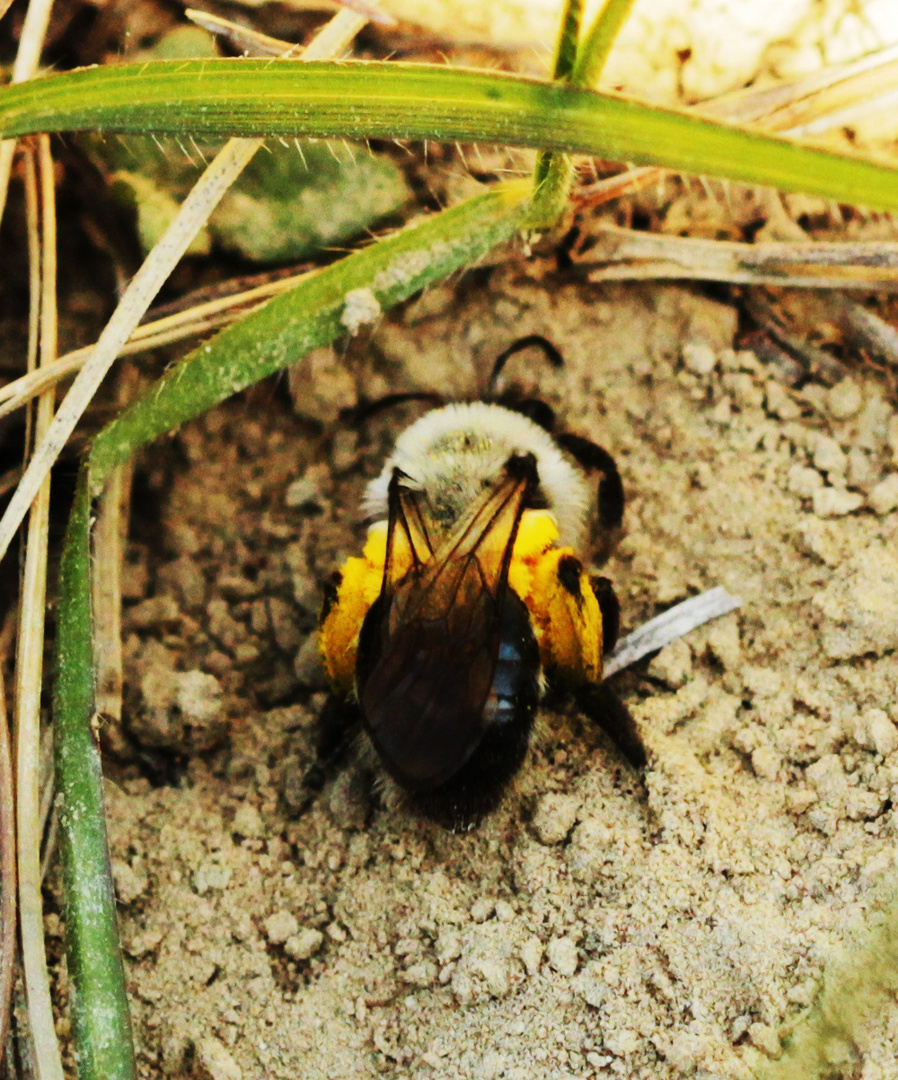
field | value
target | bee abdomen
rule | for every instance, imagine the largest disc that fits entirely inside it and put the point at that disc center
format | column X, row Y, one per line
column 513, row 667
column 508, row 714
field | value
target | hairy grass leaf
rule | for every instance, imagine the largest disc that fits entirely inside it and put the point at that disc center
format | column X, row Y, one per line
column 374, row 99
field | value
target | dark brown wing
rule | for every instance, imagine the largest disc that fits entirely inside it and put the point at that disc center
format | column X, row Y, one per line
column 429, row 646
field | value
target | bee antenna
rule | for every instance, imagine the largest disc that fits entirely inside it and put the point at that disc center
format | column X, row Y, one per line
column 529, row 341
column 359, row 414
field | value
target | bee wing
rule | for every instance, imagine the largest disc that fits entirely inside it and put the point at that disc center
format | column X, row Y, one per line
column 429, row 648
column 408, row 535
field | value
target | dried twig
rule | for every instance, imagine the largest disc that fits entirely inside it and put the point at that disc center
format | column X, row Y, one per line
column 253, row 43
column 628, row 254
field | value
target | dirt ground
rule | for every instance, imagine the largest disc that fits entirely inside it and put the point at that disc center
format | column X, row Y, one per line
column 600, row 923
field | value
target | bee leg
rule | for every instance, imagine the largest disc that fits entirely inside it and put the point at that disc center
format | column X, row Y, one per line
column 337, row 724
column 611, row 488
column 605, row 708
column 609, row 606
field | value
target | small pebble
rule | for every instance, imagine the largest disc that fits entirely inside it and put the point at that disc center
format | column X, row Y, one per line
column 829, row 457
column 482, row 909
column 892, row 437
column 875, row 731
column 304, row 944
column 765, row 762
column 532, row 955
column 884, row 496
column 862, row 473
column 504, row 911
column 765, row 1038
column 803, row 481
column 863, row 805
column 698, row 358
column 836, row 502
column 555, row 816
column 800, row 799
column 591, row 985
column 129, row 884
column 344, row 451
column 307, row 665
column 858, row 605
column 673, row 665
column 844, row 399
column 321, row 386
column 280, row 926
column 179, row 710
column 422, row 974
column 248, row 821
column 306, row 490
column 724, row 643
column 562, row 953
column 156, row 611
column 211, row 876
column 763, row 682
column 780, row 403
column 213, row 1062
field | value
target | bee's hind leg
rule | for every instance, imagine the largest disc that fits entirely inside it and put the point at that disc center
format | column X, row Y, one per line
column 337, row 726
column 605, row 708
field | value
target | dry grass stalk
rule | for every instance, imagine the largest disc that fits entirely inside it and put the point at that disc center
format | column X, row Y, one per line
column 109, row 536
column 34, row 30
column 29, row 658
column 198, row 320
column 7, row 871
column 627, row 254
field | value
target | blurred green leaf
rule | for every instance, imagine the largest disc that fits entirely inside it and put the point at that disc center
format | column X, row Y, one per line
column 290, row 202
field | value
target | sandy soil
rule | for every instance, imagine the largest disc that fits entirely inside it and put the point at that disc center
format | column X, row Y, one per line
column 601, row 923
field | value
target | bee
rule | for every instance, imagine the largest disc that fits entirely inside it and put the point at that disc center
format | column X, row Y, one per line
column 470, row 599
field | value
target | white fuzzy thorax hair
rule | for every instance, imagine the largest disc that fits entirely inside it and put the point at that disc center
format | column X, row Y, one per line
column 453, row 451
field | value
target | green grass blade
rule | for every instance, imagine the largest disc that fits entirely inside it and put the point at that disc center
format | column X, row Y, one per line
column 102, row 1024
column 314, row 313
column 598, row 42
column 396, row 100
column 553, row 172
